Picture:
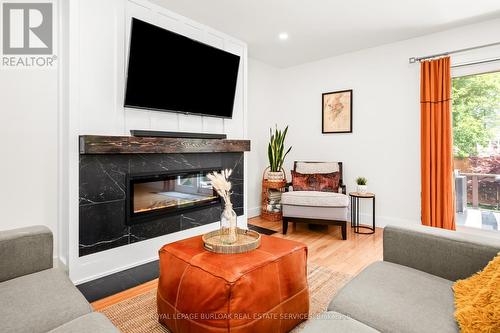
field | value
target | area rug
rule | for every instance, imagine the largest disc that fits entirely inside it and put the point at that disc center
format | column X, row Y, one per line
column 138, row 314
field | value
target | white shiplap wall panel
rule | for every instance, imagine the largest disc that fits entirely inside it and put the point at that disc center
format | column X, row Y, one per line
column 214, row 40
column 212, row 125
column 164, row 121
column 232, row 125
column 178, row 122
column 189, row 123
column 136, row 119
column 100, row 41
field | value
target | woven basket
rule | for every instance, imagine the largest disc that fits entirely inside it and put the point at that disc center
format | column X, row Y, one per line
column 274, row 176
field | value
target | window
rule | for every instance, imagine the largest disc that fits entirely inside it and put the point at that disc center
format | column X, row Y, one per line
column 476, row 141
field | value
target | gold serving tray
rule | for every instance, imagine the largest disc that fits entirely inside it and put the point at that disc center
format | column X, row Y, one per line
column 248, row 240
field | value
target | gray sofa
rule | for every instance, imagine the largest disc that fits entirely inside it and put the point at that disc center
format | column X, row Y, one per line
column 34, row 296
column 411, row 290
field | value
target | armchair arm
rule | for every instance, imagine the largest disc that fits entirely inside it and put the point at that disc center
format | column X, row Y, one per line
column 449, row 254
column 24, row 251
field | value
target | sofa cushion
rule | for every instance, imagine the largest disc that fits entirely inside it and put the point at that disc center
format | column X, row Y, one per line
column 94, row 322
column 39, row 302
column 332, row 321
column 321, row 213
column 395, row 298
column 315, row 199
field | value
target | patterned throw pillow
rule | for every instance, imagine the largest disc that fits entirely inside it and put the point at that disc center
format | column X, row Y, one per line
column 323, row 182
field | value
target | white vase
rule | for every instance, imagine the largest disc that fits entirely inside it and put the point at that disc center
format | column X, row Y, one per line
column 362, row 188
column 275, row 176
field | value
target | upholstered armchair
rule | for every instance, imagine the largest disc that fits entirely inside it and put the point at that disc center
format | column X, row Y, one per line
column 323, row 204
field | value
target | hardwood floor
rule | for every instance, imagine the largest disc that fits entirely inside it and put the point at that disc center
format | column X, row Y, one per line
column 326, row 248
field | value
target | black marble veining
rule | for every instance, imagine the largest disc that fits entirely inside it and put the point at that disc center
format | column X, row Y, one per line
column 103, row 194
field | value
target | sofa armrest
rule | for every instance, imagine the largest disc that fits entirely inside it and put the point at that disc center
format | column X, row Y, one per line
column 449, row 254
column 24, row 251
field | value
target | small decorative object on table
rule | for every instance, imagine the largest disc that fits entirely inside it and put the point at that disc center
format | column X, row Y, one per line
column 362, row 187
column 229, row 238
column 276, row 154
column 228, row 220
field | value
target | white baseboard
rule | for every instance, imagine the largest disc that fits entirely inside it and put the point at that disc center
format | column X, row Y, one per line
column 113, row 271
column 58, row 263
column 253, row 212
column 382, row 221
column 100, row 264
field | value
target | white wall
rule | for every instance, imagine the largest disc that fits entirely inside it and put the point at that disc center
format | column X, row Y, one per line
column 99, row 34
column 263, row 81
column 29, row 145
column 385, row 143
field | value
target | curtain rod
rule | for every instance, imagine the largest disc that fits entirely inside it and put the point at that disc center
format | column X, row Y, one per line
column 469, row 63
column 418, row 59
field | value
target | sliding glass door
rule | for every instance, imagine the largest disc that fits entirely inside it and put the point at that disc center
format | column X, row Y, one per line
column 476, row 140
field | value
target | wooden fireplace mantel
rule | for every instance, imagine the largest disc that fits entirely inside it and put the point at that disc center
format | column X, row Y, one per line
column 98, row 144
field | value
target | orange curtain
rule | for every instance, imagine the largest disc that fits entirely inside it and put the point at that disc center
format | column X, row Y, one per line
column 438, row 202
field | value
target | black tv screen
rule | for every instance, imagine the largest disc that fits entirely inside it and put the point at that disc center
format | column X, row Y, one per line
column 170, row 72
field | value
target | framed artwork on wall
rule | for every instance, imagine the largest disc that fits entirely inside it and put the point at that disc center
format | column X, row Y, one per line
column 337, row 112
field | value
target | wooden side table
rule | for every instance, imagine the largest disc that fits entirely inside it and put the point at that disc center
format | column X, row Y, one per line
column 267, row 185
column 355, row 196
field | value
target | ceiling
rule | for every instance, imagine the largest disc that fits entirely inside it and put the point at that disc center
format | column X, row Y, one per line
column 323, row 28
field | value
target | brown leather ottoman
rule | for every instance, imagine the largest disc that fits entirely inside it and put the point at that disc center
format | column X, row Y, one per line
column 260, row 291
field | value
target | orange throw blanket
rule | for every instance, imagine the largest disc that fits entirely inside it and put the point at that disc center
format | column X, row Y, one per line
column 477, row 300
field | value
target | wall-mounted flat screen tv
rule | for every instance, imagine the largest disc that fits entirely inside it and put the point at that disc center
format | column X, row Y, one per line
column 170, row 72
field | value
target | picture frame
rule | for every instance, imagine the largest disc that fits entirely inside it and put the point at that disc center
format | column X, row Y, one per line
column 336, row 112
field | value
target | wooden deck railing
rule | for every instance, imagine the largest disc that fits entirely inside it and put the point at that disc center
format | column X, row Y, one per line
column 475, row 184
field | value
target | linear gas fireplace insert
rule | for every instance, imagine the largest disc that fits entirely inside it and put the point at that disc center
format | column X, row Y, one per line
column 150, row 195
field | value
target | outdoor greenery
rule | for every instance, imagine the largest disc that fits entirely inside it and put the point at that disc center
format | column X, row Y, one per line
column 361, row 181
column 276, row 149
column 476, row 112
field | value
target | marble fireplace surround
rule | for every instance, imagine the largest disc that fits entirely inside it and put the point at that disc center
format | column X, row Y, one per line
column 105, row 162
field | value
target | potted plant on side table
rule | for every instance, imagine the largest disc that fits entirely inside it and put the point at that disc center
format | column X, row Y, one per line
column 276, row 154
column 362, row 187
